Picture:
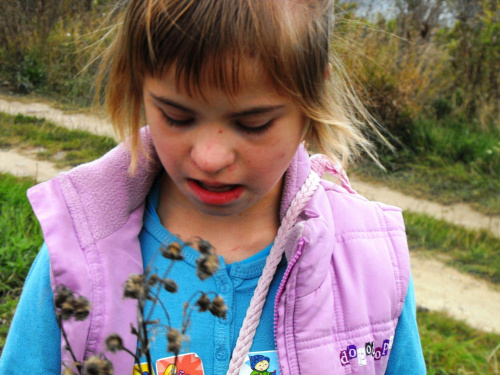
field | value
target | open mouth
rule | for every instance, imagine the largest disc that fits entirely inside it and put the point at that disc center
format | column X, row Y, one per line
column 216, row 188
column 215, row 194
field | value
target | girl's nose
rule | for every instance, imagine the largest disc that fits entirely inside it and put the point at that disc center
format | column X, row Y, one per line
column 212, row 151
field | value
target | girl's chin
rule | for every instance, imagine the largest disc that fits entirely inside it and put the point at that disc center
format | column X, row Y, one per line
column 229, row 210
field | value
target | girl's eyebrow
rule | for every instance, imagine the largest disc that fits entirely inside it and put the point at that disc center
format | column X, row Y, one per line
column 171, row 103
column 257, row 110
column 246, row 112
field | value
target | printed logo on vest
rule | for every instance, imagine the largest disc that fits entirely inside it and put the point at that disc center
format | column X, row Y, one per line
column 344, row 358
column 187, row 364
column 378, row 354
column 361, row 357
column 261, row 363
column 385, row 348
column 360, row 354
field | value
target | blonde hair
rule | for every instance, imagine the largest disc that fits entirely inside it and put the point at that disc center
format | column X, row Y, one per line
column 205, row 42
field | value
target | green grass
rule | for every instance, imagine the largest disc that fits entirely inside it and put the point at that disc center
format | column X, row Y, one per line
column 63, row 146
column 472, row 251
column 452, row 347
column 451, row 161
column 20, row 240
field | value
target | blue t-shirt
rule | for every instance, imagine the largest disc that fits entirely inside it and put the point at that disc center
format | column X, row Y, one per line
column 213, row 339
column 34, row 337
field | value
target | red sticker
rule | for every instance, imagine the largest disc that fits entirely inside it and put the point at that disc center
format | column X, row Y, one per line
column 187, row 364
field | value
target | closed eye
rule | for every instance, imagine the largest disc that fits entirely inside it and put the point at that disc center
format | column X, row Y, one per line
column 254, row 129
column 176, row 123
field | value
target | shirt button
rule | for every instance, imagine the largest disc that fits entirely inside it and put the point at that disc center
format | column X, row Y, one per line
column 224, row 288
column 228, row 318
column 221, row 354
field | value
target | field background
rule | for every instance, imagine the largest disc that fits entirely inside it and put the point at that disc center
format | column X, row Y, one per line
column 429, row 71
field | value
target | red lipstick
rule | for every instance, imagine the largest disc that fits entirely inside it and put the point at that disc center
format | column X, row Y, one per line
column 215, row 193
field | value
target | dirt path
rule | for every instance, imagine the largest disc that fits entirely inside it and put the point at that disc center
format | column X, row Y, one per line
column 440, row 287
column 23, row 165
column 76, row 121
column 437, row 286
column 460, row 214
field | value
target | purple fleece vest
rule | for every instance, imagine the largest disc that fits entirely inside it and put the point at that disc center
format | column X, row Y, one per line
column 338, row 304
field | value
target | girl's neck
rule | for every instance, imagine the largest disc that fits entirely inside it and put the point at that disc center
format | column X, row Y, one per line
column 234, row 237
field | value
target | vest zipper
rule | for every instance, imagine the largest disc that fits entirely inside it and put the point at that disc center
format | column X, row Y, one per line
column 280, row 291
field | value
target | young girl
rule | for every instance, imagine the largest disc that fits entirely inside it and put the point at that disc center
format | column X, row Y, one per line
column 315, row 277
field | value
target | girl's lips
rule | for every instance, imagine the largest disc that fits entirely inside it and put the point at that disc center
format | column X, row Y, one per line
column 216, row 194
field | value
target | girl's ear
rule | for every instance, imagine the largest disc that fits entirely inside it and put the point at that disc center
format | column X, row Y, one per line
column 328, row 70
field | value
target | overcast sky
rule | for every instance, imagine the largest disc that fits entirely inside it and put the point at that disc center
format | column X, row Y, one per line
column 370, row 8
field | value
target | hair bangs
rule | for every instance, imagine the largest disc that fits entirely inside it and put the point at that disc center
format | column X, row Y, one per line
column 203, row 41
column 206, row 41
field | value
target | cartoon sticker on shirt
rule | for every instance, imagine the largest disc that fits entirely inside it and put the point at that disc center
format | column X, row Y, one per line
column 261, row 363
column 143, row 370
column 187, row 364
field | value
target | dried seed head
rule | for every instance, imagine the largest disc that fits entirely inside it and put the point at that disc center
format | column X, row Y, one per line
column 134, row 287
column 206, row 266
column 98, row 366
column 68, row 371
column 203, row 303
column 82, row 308
column 114, row 343
column 205, row 247
column 218, row 308
column 175, row 339
column 67, row 306
column 67, row 309
column 172, row 251
column 153, row 279
column 170, row 285
column 62, row 295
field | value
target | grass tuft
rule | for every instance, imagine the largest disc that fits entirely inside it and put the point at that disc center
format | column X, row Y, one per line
column 472, row 251
column 62, row 146
column 452, row 347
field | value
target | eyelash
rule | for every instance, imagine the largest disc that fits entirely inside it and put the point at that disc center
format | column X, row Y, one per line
column 245, row 129
column 176, row 123
column 254, row 131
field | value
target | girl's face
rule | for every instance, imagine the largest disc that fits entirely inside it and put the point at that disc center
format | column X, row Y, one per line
column 224, row 155
column 262, row 365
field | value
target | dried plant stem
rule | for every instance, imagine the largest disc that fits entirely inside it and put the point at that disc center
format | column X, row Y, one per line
column 162, row 305
column 158, row 289
column 185, row 320
column 186, row 317
column 136, row 358
column 68, row 346
column 144, row 335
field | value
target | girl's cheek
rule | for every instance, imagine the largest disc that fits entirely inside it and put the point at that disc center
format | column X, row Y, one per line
column 281, row 156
